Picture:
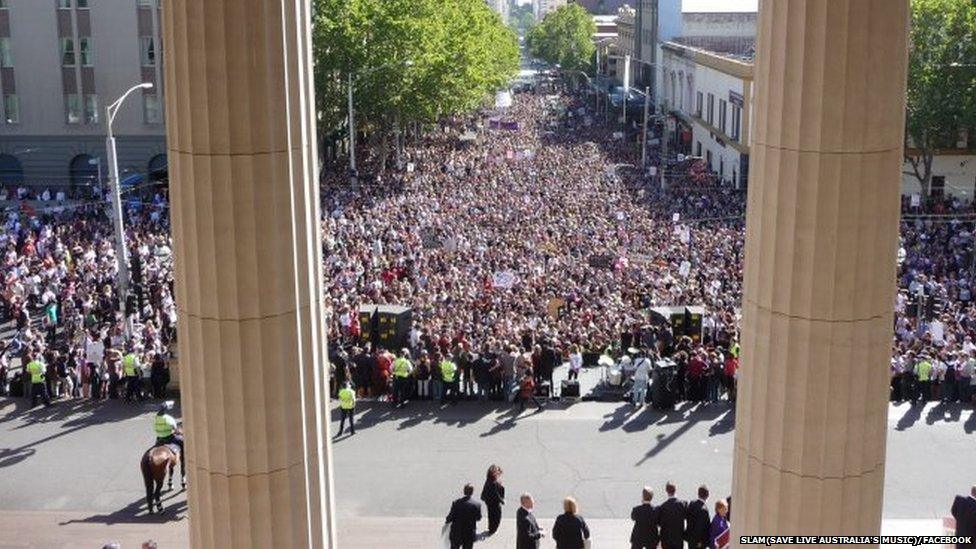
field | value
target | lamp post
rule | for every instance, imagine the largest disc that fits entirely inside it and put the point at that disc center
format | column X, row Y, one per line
column 352, row 116
column 121, row 254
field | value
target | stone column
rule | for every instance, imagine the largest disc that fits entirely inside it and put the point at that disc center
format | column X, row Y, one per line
column 821, row 240
column 245, row 215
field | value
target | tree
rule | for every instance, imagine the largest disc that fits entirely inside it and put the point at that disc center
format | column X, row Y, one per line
column 411, row 61
column 521, row 17
column 564, row 38
column 941, row 81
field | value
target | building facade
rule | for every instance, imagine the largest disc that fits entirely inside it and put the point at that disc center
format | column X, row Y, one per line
column 739, row 24
column 63, row 62
column 709, row 98
column 657, row 21
column 501, row 7
column 543, row 7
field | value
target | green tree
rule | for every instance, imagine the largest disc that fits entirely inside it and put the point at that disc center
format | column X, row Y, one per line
column 411, row 61
column 564, row 38
column 522, row 17
column 941, row 81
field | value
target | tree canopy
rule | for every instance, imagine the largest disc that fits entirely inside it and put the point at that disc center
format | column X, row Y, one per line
column 411, row 60
column 941, row 80
column 564, row 38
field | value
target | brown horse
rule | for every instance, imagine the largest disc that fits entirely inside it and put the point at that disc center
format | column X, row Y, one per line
column 155, row 463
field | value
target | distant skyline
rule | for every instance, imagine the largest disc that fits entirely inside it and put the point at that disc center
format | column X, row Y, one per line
column 705, row 5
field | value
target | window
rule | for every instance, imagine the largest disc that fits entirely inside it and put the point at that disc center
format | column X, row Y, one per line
column 698, row 104
column 145, row 2
column 11, row 109
column 64, row 4
column 736, row 122
column 81, row 3
column 6, row 57
column 73, row 108
column 91, row 109
column 722, row 108
column 87, row 54
column 67, row 52
column 3, row 4
column 711, row 109
column 150, row 107
column 147, row 51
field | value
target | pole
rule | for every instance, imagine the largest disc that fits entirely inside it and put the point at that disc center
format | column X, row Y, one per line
column 121, row 254
column 647, row 100
column 664, row 145
column 352, row 137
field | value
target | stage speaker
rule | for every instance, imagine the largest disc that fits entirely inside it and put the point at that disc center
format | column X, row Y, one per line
column 386, row 326
column 693, row 322
column 569, row 389
column 671, row 316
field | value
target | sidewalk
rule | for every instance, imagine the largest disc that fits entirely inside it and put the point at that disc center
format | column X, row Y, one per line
column 42, row 529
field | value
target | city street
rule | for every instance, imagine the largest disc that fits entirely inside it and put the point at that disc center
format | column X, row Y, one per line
column 405, row 466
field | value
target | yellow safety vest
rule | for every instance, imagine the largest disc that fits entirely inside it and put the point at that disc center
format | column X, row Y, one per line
column 735, row 350
column 36, row 370
column 347, row 398
column 924, row 370
column 401, row 367
column 162, row 427
column 129, row 365
column 448, row 369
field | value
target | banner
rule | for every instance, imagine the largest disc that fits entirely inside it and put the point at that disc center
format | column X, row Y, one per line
column 503, row 279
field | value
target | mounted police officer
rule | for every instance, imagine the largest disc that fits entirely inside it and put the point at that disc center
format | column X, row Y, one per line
column 167, row 430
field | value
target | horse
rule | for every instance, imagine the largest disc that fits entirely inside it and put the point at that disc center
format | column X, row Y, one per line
column 154, row 464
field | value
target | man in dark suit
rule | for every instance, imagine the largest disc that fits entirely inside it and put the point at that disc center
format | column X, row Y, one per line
column 527, row 534
column 698, row 521
column 964, row 511
column 644, row 535
column 671, row 519
column 463, row 518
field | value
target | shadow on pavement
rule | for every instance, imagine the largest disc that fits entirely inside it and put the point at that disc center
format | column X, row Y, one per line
column 911, row 416
column 135, row 513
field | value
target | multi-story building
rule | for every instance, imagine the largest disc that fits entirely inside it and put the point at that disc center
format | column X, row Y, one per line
column 543, row 7
column 601, row 7
column 708, row 95
column 657, row 21
column 500, row 6
column 61, row 63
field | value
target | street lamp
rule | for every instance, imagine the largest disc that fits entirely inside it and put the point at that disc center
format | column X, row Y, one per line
column 121, row 254
column 352, row 119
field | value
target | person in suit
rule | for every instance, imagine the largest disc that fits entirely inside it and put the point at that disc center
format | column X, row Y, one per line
column 699, row 522
column 671, row 519
column 644, row 535
column 527, row 532
column 463, row 518
column 570, row 530
column 493, row 494
column 964, row 511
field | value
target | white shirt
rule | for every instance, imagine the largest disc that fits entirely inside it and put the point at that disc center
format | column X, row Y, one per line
column 94, row 352
column 643, row 369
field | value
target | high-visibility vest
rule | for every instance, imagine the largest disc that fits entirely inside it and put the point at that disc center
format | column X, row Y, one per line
column 162, row 426
column 924, row 370
column 401, row 367
column 448, row 369
column 36, row 370
column 129, row 365
column 735, row 350
column 347, row 398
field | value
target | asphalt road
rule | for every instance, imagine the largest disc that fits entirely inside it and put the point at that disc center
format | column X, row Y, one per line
column 412, row 462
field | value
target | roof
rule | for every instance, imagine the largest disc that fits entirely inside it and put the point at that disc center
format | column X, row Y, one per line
column 742, row 48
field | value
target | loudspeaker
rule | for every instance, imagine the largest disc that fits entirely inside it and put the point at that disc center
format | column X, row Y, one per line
column 672, row 316
column 386, row 326
column 693, row 322
column 569, row 389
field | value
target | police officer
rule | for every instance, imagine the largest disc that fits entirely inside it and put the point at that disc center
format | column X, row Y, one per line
column 167, row 430
column 37, row 370
column 130, row 369
column 449, row 374
column 347, row 407
column 402, row 368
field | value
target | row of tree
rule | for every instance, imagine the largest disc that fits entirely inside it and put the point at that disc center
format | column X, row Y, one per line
column 564, row 38
column 411, row 61
column 941, row 81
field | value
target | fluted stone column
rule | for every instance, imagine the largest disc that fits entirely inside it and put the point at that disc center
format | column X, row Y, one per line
column 241, row 134
column 821, row 239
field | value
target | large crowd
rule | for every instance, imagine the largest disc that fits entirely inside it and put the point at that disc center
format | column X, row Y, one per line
column 535, row 244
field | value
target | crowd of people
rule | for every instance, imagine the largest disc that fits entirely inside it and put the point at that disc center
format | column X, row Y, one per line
column 669, row 525
column 59, row 302
column 533, row 245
